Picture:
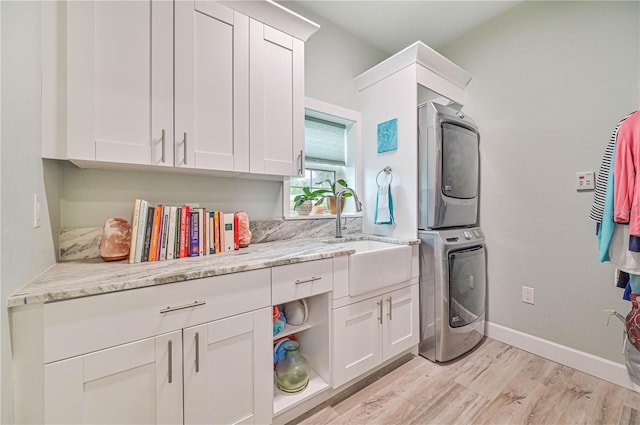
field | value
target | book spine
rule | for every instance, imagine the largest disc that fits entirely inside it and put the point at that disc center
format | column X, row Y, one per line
column 155, row 234
column 142, row 227
column 211, row 228
column 216, row 232
column 222, row 246
column 201, row 232
column 228, row 232
column 195, row 235
column 171, row 233
column 184, row 218
column 147, row 233
column 165, row 232
column 135, row 220
column 236, row 235
column 178, row 221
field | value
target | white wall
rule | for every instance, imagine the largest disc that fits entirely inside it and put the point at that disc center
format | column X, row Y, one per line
column 333, row 58
column 25, row 251
column 394, row 97
column 550, row 82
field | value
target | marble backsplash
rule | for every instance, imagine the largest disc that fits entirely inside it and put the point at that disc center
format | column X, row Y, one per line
column 83, row 243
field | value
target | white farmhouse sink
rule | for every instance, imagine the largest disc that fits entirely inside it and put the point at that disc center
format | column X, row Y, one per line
column 376, row 265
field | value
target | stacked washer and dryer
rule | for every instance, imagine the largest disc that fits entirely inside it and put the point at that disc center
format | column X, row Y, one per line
column 452, row 255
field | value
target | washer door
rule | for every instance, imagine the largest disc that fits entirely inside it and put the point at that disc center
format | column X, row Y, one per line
column 467, row 285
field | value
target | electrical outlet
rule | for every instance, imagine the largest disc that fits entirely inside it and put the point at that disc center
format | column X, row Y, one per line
column 528, row 295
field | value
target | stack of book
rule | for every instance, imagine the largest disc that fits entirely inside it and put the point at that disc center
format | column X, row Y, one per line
column 165, row 232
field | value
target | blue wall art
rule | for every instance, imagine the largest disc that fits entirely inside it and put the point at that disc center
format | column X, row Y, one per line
column 388, row 136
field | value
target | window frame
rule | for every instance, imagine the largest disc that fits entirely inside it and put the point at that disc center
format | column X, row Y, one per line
column 352, row 120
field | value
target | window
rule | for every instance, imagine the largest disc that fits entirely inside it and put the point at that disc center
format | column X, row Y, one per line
column 331, row 141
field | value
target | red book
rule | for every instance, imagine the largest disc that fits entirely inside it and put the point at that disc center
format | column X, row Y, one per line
column 155, row 234
column 236, row 235
column 184, row 235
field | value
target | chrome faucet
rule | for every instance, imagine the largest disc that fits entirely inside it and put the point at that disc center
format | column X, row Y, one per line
column 339, row 209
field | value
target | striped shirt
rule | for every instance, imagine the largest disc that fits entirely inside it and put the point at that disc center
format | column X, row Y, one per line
column 597, row 208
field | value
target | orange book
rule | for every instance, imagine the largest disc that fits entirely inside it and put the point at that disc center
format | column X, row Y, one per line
column 216, row 232
column 155, row 234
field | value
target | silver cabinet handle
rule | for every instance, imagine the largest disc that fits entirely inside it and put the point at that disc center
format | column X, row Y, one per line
column 182, row 307
column 380, row 315
column 197, row 352
column 170, row 362
column 390, row 307
column 300, row 163
column 163, row 146
column 185, row 148
column 313, row 279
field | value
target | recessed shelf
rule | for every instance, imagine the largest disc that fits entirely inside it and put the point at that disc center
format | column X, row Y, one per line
column 283, row 401
column 291, row 329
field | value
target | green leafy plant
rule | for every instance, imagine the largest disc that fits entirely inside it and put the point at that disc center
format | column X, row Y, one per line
column 309, row 195
column 334, row 187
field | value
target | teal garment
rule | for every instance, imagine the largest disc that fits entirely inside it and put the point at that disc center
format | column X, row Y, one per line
column 634, row 283
column 606, row 229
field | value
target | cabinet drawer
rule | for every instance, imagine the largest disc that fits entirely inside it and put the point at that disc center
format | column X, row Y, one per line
column 301, row 280
column 87, row 324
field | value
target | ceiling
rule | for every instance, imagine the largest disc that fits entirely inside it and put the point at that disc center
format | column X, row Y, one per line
column 394, row 25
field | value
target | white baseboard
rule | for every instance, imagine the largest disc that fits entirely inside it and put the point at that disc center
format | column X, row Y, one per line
column 588, row 363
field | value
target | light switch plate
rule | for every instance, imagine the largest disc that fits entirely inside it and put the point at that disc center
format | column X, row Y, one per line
column 585, row 180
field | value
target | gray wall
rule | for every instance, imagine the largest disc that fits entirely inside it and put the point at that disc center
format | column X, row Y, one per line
column 25, row 251
column 550, row 82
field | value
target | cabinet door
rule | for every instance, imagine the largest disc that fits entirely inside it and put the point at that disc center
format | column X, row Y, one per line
column 136, row 383
column 228, row 368
column 276, row 77
column 120, row 81
column 401, row 324
column 212, row 87
column 357, row 332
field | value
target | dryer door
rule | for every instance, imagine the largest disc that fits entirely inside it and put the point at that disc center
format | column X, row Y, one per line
column 467, row 285
column 459, row 162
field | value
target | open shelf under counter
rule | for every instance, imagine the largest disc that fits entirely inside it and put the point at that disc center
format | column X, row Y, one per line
column 283, row 401
column 291, row 329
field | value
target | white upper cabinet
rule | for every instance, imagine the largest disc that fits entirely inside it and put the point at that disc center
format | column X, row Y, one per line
column 276, row 101
column 116, row 74
column 120, row 81
column 212, row 92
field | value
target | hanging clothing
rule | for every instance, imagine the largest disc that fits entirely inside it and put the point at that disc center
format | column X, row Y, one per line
column 627, row 174
column 597, row 208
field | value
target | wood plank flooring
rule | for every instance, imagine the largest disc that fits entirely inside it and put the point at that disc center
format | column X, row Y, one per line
column 494, row 384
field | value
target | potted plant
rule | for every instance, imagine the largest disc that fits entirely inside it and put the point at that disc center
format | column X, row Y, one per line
column 303, row 202
column 336, row 186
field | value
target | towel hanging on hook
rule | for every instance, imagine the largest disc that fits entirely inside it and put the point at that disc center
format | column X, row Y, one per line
column 384, row 200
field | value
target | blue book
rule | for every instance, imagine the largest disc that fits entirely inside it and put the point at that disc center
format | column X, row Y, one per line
column 194, row 246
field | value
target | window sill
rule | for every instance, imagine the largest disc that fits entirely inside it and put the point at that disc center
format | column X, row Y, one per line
column 321, row 216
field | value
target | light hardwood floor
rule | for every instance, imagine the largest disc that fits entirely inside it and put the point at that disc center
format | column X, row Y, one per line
column 494, row 384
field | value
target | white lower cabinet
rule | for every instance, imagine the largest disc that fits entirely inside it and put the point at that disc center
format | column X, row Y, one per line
column 369, row 332
column 228, row 370
column 136, row 383
column 224, row 368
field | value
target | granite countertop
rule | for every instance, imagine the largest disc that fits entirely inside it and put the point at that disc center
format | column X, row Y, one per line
column 74, row 279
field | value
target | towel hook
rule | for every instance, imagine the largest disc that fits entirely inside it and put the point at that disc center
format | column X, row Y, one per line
column 387, row 173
